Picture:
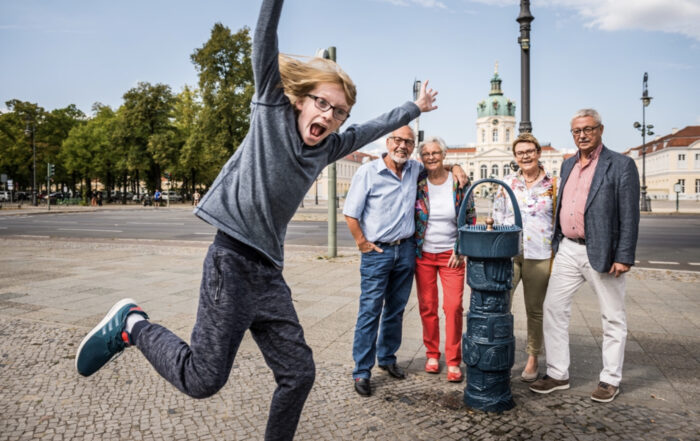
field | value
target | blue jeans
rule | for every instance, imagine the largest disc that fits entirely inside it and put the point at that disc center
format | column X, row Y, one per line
column 386, row 286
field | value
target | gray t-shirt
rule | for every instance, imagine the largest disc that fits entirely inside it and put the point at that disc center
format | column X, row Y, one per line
column 261, row 186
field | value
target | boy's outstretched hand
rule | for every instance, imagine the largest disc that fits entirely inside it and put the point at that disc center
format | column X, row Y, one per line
column 426, row 99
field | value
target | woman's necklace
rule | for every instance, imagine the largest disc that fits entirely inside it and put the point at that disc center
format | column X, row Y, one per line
column 530, row 181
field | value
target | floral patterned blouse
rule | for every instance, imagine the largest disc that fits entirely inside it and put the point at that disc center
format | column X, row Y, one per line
column 423, row 209
column 536, row 209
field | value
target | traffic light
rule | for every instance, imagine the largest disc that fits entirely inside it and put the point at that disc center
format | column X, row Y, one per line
column 52, row 169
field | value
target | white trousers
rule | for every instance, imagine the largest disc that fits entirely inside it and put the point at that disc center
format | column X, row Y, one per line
column 570, row 269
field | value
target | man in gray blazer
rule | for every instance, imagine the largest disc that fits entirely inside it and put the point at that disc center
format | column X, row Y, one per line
column 595, row 237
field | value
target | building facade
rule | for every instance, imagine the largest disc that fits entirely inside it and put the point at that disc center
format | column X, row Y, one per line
column 670, row 159
column 492, row 155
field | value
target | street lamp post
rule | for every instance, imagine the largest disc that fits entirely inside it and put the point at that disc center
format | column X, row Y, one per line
column 646, row 130
column 525, row 18
column 416, row 93
column 29, row 131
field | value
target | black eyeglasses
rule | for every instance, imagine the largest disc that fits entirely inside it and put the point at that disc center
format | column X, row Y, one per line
column 523, row 153
column 585, row 130
column 323, row 105
column 398, row 140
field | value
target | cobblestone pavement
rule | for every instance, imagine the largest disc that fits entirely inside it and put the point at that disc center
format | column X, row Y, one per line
column 53, row 291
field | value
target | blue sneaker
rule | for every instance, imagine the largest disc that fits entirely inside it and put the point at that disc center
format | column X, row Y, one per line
column 107, row 339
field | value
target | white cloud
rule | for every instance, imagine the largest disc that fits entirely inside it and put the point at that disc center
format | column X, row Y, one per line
column 672, row 16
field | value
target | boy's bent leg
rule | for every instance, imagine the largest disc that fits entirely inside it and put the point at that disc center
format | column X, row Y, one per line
column 280, row 337
column 226, row 310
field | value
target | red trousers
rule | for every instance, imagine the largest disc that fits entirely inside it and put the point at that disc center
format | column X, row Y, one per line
column 452, row 279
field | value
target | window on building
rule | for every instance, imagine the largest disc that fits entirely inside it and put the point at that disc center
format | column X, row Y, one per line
column 471, row 175
column 554, row 172
column 697, row 186
column 507, row 135
column 682, row 182
column 681, row 160
column 494, row 136
column 484, row 172
column 506, row 169
column 494, row 170
column 697, row 160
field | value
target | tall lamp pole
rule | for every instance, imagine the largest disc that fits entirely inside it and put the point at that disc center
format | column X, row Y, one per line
column 29, row 131
column 646, row 130
column 416, row 92
column 525, row 18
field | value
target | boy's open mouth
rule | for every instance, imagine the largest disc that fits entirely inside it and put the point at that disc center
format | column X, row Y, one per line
column 317, row 129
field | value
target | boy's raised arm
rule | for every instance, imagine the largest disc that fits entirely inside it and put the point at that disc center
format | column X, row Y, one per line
column 266, row 50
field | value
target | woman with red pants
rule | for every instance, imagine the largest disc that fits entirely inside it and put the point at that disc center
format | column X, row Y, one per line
column 437, row 207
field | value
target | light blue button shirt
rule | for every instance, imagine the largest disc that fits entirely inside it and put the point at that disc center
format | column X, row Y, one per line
column 383, row 203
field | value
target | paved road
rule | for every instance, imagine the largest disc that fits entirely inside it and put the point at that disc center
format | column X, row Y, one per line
column 670, row 242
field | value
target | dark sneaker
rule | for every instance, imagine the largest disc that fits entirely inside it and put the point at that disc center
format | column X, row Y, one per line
column 548, row 384
column 107, row 339
column 605, row 393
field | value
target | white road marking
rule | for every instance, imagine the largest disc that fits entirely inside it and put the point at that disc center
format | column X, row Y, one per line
column 660, row 262
column 88, row 229
column 694, row 263
column 209, row 233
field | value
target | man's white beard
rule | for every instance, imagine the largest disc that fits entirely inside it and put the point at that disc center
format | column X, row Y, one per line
column 396, row 159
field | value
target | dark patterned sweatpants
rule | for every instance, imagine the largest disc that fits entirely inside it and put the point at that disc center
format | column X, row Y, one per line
column 237, row 294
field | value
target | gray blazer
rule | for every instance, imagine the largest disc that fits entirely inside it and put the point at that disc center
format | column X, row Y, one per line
column 611, row 216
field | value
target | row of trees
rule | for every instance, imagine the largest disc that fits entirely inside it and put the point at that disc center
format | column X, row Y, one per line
column 190, row 134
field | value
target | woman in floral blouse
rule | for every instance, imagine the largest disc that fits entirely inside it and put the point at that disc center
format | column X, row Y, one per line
column 436, row 250
column 535, row 191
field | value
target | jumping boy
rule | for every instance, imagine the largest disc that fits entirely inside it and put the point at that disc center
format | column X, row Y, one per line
column 296, row 110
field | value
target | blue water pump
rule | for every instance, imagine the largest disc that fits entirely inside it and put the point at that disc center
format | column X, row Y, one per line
column 488, row 346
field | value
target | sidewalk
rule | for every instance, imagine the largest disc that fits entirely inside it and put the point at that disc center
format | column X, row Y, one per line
column 53, row 291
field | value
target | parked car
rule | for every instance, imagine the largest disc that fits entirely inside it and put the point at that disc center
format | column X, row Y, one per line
column 172, row 196
column 5, row 196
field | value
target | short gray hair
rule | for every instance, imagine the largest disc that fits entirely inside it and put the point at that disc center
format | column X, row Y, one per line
column 587, row 112
column 433, row 140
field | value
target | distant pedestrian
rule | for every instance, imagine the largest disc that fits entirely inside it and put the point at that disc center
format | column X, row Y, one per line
column 292, row 134
column 93, row 199
column 195, row 198
column 99, row 198
column 156, row 198
column 595, row 238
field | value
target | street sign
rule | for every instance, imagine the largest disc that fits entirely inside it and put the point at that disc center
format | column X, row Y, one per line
column 3, row 178
column 10, row 184
column 677, row 188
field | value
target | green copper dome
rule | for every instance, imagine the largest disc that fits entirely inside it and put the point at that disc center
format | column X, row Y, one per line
column 496, row 104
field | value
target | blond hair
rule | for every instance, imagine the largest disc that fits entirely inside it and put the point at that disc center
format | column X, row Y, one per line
column 301, row 77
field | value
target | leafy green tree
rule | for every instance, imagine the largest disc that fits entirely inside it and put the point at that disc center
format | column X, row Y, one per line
column 17, row 127
column 227, row 86
column 145, row 118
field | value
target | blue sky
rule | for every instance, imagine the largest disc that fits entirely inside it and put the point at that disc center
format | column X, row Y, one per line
column 585, row 53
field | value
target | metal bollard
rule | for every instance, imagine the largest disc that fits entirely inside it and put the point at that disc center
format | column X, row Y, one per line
column 488, row 346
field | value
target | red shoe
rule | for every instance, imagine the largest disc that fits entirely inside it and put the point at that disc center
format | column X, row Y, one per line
column 432, row 368
column 455, row 377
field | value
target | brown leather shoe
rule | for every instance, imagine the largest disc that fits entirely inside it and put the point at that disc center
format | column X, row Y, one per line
column 605, row 393
column 548, row 384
